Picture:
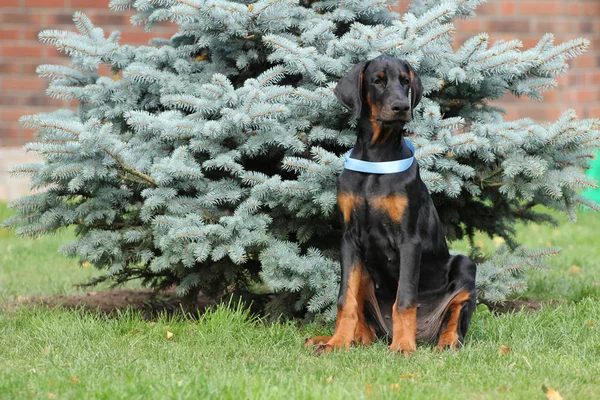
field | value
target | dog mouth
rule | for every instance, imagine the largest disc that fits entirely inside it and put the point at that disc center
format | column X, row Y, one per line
column 394, row 120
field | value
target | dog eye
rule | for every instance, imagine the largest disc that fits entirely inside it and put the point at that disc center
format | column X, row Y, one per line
column 378, row 81
column 404, row 81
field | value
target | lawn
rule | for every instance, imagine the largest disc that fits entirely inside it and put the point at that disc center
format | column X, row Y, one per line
column 57, row 353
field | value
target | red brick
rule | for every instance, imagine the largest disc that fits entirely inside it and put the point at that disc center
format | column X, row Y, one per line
column 591, row 77
column 14, row 113
column 24, row 84
column 509, row 25
column 586, row 96
column 45, row 3
column 591, row 8
column 469, row 25
column 540, row 7
column 9, row 68
column 489, row 8
column 29, row 68
column 20, row 18
column 585, row 61
column 21, row 51
column 89, row 4
column 593, row 111
column 508, row 8
column 61, row 18
column 9, row 34
column 573, row 8
column 30, row 34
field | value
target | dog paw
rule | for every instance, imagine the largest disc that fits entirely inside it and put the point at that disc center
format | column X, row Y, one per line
column 448, row 343
column 316, row 341
column 404, row 348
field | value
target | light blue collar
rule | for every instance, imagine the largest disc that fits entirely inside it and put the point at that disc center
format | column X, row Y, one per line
column 386, row 167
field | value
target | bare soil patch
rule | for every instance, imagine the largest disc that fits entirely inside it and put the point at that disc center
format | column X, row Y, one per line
column 150, row 303
column 516, row 305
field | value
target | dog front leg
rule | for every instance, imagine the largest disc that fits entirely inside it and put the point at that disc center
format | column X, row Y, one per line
column 404, row 312
column 350, row 302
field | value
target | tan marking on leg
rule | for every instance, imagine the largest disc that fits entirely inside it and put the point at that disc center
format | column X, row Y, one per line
column 364, row 334
column 393, row 205
column 348, row 314
column 404, row 338
column 347, row 203
column 449, row 337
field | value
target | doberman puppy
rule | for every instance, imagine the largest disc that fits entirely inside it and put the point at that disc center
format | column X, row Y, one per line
column 398, row 279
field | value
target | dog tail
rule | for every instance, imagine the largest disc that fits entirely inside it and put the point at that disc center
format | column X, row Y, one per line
column 429, row 325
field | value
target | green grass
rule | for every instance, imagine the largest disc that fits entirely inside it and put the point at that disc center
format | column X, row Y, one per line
column 56, row 353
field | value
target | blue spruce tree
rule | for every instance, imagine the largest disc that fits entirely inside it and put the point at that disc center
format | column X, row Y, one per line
column 209, row 160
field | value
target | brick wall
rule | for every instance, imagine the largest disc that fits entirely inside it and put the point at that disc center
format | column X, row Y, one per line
column 21, row 92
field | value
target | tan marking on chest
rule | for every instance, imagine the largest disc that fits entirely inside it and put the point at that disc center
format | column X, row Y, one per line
column 348, row 202
column 393, row 205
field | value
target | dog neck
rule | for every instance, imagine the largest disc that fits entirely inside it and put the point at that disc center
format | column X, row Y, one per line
column 378, row 143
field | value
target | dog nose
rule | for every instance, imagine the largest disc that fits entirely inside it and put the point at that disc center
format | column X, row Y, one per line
column 399, row 107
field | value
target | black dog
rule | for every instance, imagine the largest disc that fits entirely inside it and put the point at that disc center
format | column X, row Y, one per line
column 398, row 279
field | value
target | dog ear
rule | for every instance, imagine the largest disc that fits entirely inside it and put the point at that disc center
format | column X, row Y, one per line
column 416, row 89
column 349, row 89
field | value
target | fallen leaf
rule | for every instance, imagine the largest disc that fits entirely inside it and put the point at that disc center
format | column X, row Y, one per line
column 575, row 269
column 504, row 350
column 395, row 387
column 590, row 323
column 52, row 395
column 74, row 379
column 502, row 388
column 169, row 335
column 407, row 376
column 86, row 264
column 330, row 379
column 368, row 390
column 552, row 394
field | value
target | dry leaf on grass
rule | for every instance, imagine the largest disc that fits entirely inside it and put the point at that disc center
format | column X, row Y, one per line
column 575, row 269
column 169, row 335
column 590, row 323
column 395, row 387
column 330, row 379
column 369, row 390
column 504, row 350
column 74, row 379
column 552, row 394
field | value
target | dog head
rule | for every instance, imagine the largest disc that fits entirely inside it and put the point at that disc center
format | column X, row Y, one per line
column 385, row 88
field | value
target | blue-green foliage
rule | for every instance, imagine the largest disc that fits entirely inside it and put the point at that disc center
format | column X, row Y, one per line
column 209, row 160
